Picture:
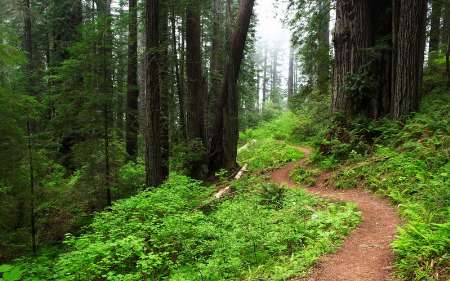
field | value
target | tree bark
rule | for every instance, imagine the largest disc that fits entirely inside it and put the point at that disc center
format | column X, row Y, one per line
column 217, row 61
column 28, row 46
column 106, row 87
column 351, row 38
column 195, row 120
column 153, row 158
column 178, row 76
column 323, row 64
column 410, row 44
column 265, row 80
column 132, row 124
column 164, row 88
column 291, row 74
column 223, row 144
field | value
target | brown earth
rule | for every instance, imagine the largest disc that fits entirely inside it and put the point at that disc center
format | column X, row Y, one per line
column 366, row 254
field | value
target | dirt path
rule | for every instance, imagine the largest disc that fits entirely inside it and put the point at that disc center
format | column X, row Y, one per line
column 365, row 254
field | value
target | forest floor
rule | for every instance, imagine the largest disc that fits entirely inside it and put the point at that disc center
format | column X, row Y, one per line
column 366, row 254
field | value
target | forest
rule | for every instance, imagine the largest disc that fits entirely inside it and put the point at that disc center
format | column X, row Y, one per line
column 225, row 140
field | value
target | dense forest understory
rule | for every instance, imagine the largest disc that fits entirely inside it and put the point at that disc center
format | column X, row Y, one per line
column 165, row 140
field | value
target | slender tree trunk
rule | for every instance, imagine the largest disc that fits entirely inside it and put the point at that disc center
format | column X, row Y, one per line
column 291, row 74
column 274, row 85
column 132, row 124
column 435, row 30
column 153, row 158
column 217, row 62
column 164, row 88
column 447, row 39
column 323, row 67
column 195, row 120
column 178, row 78
column 28, row 46
column 265, row 80
column 410, row 45
column 106, row 87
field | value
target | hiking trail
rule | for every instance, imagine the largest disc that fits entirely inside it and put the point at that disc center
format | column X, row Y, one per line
column 365, row 254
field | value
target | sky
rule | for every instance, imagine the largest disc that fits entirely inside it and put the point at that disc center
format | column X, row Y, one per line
column 271, row 31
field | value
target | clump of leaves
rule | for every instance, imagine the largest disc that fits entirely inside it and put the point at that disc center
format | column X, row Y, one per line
column 304, row 176
column 268, row 154
column 272, row 194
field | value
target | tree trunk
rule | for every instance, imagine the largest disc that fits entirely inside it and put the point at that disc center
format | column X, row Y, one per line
column 28, row 46
column 323, row 64
column 153, row 158
column 351, row 38
column 291, row 74
column 265, row 80
column 274, row 99
column 435, row 29
column 195, row 120
column 132, row 124
column 217, row 61
column 410, row 44
column 223, row 145
column 178, row 76
column 106, row 87
column 164, row 88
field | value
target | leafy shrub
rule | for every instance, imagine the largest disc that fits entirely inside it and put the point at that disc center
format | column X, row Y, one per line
column 304, row 176
column 268, row 154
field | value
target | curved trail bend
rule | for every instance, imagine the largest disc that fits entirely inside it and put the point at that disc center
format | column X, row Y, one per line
column 365, row 254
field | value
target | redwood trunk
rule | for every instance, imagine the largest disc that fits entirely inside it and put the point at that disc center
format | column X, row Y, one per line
column 410, row 45
column 195, row 120
column 154, row 171
column 132, row 124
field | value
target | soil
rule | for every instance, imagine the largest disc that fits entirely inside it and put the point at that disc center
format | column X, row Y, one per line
column 366, row 254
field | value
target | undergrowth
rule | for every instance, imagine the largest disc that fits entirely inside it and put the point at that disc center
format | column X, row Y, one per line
column 263, row 232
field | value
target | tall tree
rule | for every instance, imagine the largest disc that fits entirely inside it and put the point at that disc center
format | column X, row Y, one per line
column 223, row 144
column 323, row 38
column 153, row 158
column 265, row 78
column 164, row 86
column 195, row 121
column 132, row 125
column 374, row 76
column 105, row 86
column 291, row 73
column 435, row 29
column 28, row 46
column 409, row 46
column 179, row 74
column 217, row 57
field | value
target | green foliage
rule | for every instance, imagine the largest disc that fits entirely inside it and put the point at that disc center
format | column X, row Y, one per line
column 187, row 153
column 10, row 273
column 304, row 176
column 263, row 232
column 268, row 154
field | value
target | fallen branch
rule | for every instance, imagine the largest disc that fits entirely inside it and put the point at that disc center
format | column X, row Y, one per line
column 227, row 189
column 244, row 147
